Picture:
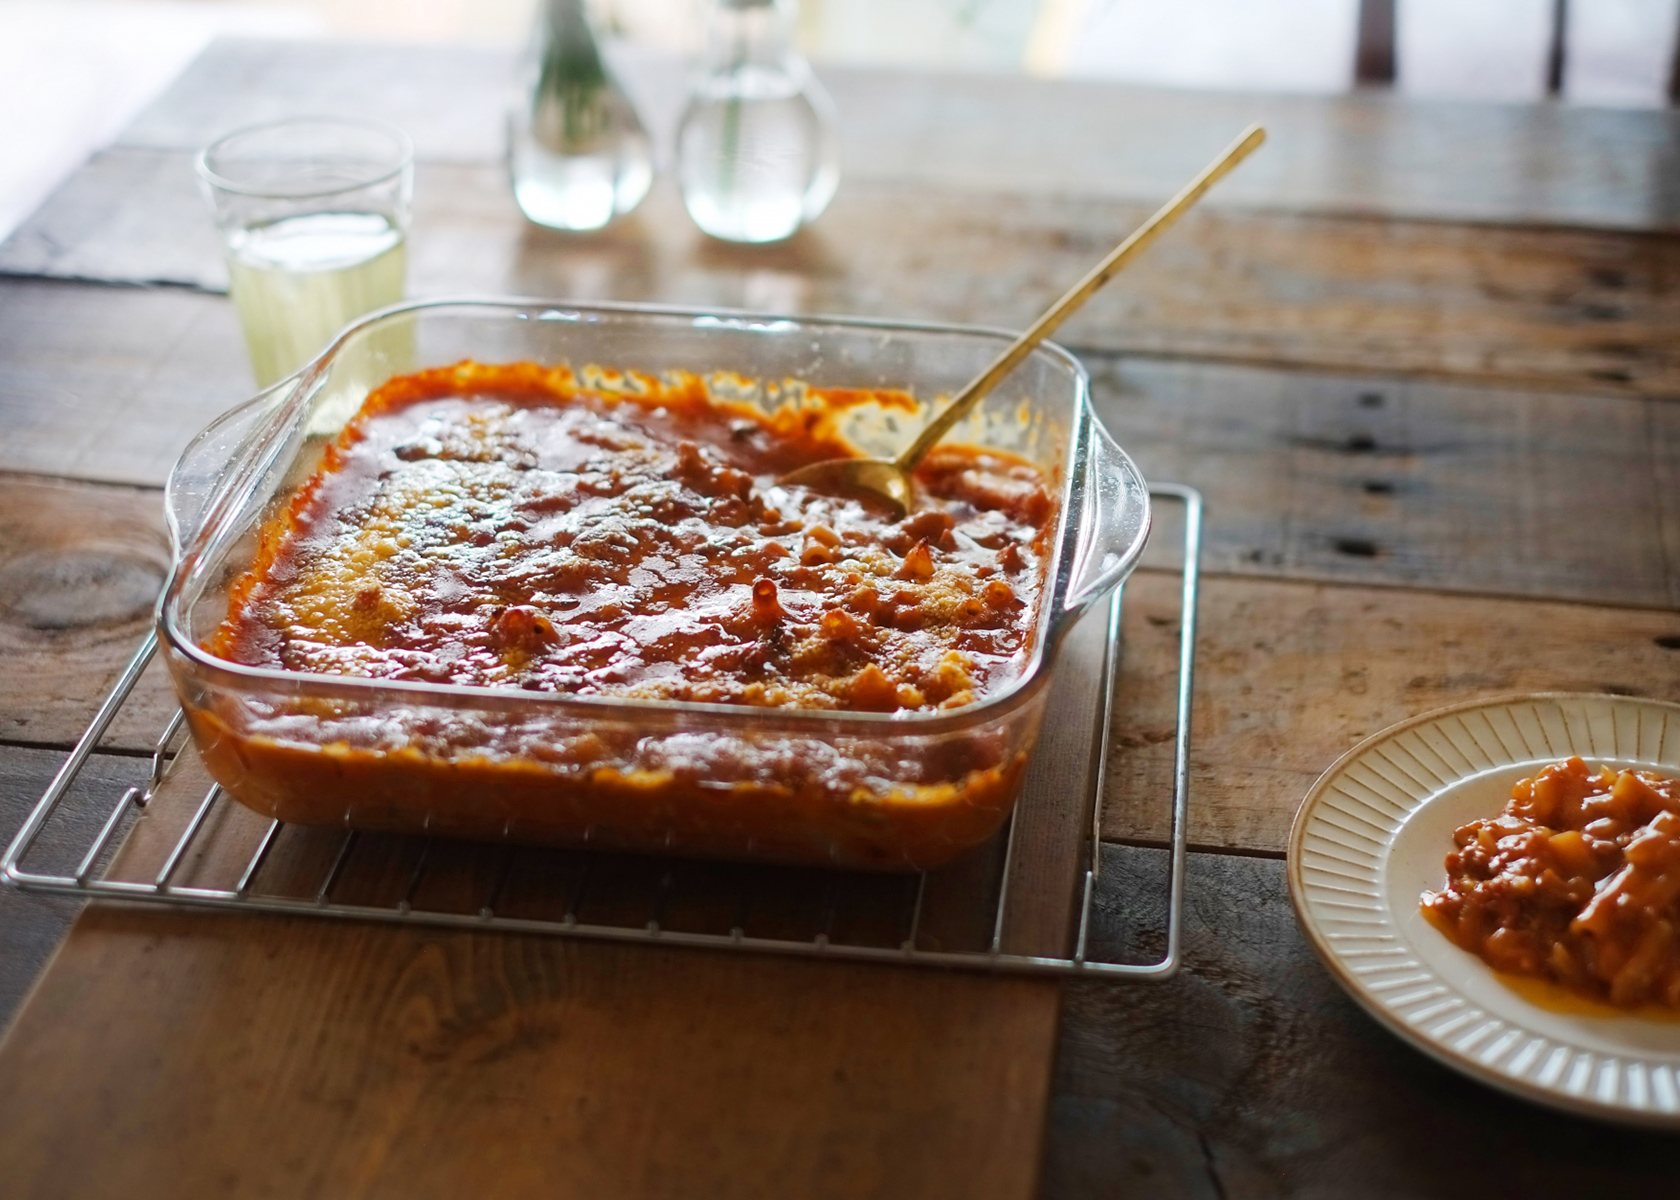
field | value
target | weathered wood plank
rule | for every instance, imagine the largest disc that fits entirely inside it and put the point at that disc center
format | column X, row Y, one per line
column 1308, row 475
column 1361, row 478
column 111, row 383
column 1252, row 1075
column 80, row 566
column 448, row 98
column 990, row 133
column 247, row 1056
column 32, row 925
column 1291, row 675
column 1664, row 443
column 1544, row 308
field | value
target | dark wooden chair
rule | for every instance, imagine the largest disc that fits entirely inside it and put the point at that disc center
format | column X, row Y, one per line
column 1374, row 64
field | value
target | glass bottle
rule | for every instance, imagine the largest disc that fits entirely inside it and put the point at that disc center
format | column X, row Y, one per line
column 577, row 152
column 757, row 149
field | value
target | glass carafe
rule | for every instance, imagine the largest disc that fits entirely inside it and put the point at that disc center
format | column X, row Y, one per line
column 577, row 152
column 757, row 149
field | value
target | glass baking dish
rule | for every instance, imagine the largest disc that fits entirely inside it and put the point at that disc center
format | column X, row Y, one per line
column 904, row 791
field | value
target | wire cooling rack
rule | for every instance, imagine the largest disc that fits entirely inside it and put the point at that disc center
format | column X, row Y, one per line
column 178, row 840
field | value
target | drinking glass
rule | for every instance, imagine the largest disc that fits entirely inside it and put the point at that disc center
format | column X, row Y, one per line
column 314, row 216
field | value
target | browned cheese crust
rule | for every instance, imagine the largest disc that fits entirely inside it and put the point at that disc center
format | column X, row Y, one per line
column 511, row 526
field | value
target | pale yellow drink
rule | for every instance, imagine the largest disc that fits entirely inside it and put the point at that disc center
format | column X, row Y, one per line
column 298, row 281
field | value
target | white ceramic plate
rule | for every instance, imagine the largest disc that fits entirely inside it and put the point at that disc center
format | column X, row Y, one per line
column 1373, row 834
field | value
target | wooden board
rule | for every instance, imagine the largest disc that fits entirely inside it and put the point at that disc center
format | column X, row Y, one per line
column 32, row 925
column 264, row 1055
column 397, row 1061
column 1533, row 307
column 989, row 133
column 1252, row 1075
column 1291, row 675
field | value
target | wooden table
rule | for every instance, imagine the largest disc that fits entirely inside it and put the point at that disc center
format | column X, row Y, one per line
column 1423, row 360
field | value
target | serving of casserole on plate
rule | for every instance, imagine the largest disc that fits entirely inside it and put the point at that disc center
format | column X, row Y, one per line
column 1382, row 857
column 500, row 569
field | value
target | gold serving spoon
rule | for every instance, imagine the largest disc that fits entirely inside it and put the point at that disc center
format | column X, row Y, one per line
column 890, row 478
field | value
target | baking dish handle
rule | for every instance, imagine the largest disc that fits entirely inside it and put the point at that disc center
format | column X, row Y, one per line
column 217, row 456
column 1114, row 521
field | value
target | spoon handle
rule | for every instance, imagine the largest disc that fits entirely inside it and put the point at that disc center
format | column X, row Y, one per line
column 1058, row 312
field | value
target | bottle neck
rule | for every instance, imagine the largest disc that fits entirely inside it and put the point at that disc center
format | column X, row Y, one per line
column 749, row 33
column 566, row 50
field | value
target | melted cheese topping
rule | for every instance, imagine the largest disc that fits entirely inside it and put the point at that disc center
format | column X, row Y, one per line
column 510, row 526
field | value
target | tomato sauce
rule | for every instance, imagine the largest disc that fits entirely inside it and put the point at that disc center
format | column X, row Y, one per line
column 518, row 526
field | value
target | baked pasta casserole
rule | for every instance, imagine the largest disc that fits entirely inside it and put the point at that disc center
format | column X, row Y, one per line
column 606, row 534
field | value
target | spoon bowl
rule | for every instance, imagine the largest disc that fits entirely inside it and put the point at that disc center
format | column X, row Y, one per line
column 880, row 478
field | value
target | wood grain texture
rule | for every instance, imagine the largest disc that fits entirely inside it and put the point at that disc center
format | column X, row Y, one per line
column 1292, row 675
column 32, row 925
column 1361, row 478
column 1536, row 307
column 1664, row 441
column 993, row 133
column 1252, row 1075
column 263, row 1056
column 111, row 383
column 1310, row 475
column 80, row 567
